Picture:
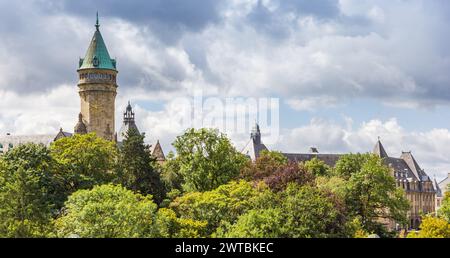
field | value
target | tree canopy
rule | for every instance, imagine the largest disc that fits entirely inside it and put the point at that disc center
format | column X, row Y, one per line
column 108, row 211
column 206, row 159
column 88, row 187
column 85, row 160
column 137, row 169
column 371, row 192
column 432, row 227
column 27, row 192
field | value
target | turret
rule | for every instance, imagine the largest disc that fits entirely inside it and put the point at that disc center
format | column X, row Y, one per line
column 97, row 87
column 80, row 128
column 256, row 134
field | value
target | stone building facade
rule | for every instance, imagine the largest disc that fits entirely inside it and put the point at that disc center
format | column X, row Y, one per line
column 418, row 186
column 442, row 187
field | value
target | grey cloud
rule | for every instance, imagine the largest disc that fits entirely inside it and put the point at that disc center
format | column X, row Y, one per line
column 406, row 57
column 168, row 18
column 319, row 8
column 273, row 20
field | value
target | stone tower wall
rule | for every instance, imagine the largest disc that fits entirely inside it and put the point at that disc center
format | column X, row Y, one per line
column 98, row 90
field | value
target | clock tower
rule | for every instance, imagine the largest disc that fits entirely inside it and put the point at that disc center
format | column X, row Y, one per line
column 97, row 88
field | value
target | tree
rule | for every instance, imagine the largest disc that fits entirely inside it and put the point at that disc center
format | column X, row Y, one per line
column 349, row 164
column 224, row 204
column 334, row 184
column 444, row 211
column 311, row 213
column 265, row 223
column 371, row 193
column 432, row 227
column 27, row 192
column 206, row 159
column 137, row 168
column 267, row 163
column 170, row 174
column 85, row 160
column 170, row 226
column 317, row 167
column 108, row 211
column 290, row 173
column 297, row 212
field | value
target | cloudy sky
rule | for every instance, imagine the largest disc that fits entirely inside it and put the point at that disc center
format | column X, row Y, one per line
column 345, row 71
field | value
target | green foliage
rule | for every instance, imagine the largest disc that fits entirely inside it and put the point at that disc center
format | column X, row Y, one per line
column 349, row 164
column 317, row 167
column 297, row 212
column 264, row 223
column 169, row 226
column 310, row 213
column 85, row 160
column 27, row 192
column 355, row 229
column 334, row 184
column 108, row 211
column 137, row 168
column 371, row 193
column 223, row 204
column 432, row 227
column 280, row 199
column 170, row 174
column 206, row 159
column 267, row 163
column 444, row 211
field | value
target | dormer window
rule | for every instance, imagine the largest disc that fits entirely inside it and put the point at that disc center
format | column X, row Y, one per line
column 95, row 62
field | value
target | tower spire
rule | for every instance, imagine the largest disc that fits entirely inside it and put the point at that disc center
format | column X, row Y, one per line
column 256, row 134
column 97, row 24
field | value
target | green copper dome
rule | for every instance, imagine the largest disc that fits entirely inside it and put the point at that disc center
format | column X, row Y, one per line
column 97, row 55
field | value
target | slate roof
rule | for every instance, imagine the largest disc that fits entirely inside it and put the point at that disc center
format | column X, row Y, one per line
column 62, row 134
column 437, row 188
column 128, row 123
column 444, row 184
column 401, row 168
column 414, row 167
column 252, row 149
column 157, row 152
column 329, row 159
column 10, row 141
column 379, row 150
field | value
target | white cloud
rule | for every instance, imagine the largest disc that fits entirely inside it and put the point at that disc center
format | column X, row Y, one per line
column 39, row 113
column 312, row 103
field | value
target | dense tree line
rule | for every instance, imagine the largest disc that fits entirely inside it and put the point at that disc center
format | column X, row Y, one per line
column 84, row 186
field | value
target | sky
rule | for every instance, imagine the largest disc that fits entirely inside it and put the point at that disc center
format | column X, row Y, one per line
column 345, row 71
